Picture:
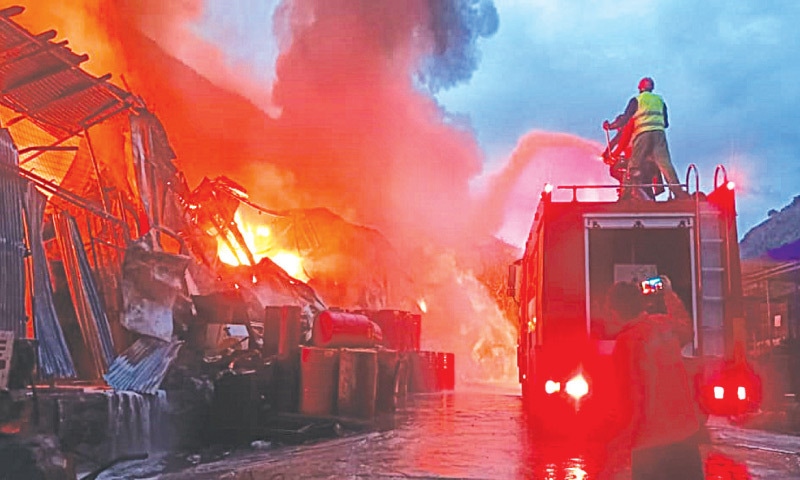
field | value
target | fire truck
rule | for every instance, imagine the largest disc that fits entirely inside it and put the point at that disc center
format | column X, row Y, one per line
column 577, row 249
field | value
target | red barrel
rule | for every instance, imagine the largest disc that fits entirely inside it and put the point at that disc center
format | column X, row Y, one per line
column 388, row 321
column 401, row 329
column 432, row 371
column 445, row 365
column 358, row 380
column 343, row 329
column 392, row 381
column 423, row 372
column 413, row 331
column 319, row 379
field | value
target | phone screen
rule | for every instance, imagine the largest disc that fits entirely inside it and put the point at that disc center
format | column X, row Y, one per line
column 651, row 285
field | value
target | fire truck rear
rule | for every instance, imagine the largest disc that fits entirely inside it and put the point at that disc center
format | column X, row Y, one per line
column 575, row 252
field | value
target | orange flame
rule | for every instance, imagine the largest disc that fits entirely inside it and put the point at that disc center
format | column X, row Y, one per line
column 423, row 305
column 259, row 240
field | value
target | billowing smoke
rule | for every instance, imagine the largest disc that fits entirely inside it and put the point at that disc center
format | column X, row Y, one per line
column 353, row 126
column 457, row 25
column 354, row 131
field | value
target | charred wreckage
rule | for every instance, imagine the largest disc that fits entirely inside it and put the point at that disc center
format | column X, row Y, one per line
column 117, row 315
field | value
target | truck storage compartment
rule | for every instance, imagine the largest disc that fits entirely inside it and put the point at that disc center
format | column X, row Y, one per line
column 634, row 254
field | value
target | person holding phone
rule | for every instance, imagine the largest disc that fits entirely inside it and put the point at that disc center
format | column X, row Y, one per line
column 661, row 431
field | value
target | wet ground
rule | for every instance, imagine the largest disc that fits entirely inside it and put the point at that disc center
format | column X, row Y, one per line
column 470, row 435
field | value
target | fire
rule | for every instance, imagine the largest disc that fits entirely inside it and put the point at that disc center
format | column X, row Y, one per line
column 423, row 306
column 290, row 263
column 260, row 241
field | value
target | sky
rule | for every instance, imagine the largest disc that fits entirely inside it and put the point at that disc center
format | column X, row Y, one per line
column 727, row 71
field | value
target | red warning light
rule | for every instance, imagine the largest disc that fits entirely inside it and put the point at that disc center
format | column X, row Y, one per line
column 547, row 193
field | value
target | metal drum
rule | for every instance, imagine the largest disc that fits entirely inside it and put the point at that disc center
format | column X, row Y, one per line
column 343, row 329
column 445, row 365
column 282, row 329
column 358, row 382
column 413, row 329
column 432, row 371
column 392, row 384
column 401, row 329
column 423, row 372
column 319, row 373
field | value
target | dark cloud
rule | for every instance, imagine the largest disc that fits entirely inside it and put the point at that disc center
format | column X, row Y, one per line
column 456, row 26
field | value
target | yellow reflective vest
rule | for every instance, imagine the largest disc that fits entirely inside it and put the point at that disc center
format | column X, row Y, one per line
column 650, row 114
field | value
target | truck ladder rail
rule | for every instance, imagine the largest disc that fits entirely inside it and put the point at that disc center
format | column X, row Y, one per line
column 575, row 188
column 713, row 268
column 698, row 257
column 693, row 168
column 721, row 169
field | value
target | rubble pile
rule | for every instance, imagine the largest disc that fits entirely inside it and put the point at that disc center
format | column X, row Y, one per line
column 152, row 319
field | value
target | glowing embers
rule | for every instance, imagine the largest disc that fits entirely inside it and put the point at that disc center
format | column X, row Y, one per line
column 532, row 324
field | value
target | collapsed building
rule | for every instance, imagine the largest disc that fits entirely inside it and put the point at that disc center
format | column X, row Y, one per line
column 120, row 281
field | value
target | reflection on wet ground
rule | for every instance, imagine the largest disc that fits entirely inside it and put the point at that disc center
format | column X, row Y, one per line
column 465, row 435
column 719, row 466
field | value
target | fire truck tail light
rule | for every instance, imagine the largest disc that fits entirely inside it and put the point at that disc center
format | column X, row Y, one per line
column 719, row 393
column 551, row 387
column 741, row 392
column 577, row 387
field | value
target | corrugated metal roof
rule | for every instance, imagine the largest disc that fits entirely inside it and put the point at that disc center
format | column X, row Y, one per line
column 12, row 243
column 143, row 366
column 43, row 81
column 55, row 360
column 91, row 316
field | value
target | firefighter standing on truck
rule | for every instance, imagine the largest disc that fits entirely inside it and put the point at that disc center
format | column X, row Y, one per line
column 648, row 111
column 616, row 156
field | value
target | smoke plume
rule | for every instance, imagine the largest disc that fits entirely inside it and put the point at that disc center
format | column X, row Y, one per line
column 456, row 27
column 509, row 196
column 352, row 126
